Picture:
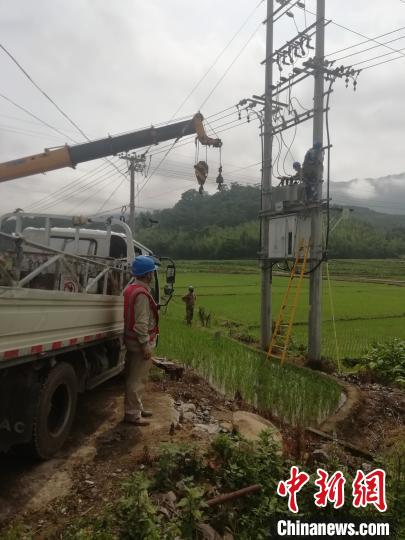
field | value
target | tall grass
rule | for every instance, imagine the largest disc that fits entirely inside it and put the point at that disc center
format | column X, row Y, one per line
column 295, row 395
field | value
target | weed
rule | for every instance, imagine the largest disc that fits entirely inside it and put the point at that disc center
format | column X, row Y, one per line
column 387, row 361
column 137, row 513
column 175, row 462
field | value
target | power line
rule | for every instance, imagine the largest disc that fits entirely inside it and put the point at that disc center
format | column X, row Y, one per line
column 365, row 41
column 81, row 188
column 230, row 65
column 217, row 58
column 383, row 62
column 111, row 195
column 369, row 49
column 358, row 33
column 376, row 58
column 63, row 191
column 50, row 99
column 36, row 117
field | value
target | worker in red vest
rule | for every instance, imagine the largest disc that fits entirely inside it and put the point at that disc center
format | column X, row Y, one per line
column 141, row 320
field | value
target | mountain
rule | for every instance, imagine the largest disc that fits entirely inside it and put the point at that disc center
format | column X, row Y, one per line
column 225, row 225
column 384, row 194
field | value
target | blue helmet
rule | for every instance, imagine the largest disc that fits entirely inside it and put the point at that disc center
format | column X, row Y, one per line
column 142, row 265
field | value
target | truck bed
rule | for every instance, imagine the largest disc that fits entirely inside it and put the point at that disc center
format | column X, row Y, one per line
column 35, row 321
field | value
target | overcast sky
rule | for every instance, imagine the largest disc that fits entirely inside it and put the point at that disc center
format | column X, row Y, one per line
column 119, row 66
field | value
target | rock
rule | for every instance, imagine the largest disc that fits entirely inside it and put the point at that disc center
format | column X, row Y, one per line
column 188, row 407
column 207, row 532
column 226, row 427
column 202, row 430
column 320, row 456
column 250, row 426
column 227, row 535
column 169, row 500
column 189, row 416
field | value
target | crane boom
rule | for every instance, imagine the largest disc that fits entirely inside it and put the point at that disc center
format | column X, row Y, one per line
column 70, row 156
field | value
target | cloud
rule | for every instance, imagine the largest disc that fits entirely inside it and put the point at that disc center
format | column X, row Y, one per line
column 119, row 66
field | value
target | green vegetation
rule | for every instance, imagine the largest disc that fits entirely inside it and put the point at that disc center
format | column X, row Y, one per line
column 225, row 225
column 363, row 311
column 292, row 394
column 386, row 361
column 178, row 508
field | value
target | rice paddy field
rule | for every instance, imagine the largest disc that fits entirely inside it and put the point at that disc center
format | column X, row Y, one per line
column 364, row 307
column 296, row 395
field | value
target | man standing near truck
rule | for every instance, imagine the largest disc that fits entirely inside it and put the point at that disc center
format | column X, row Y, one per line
column 189, row 299
column 141, row 320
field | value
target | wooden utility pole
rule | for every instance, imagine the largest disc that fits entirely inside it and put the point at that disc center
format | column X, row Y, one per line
column 315, row 285
column 266, row 269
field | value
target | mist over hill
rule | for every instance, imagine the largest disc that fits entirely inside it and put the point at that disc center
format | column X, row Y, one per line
column 385, row 194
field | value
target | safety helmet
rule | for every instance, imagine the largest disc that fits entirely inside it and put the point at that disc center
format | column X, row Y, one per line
column 191, row 288
column 143, row 264
column 296, row 165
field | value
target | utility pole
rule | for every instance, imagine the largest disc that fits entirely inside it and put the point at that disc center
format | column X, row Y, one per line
column 136, row 164
column 315, row 286
column 131, row 168
column 266, row 268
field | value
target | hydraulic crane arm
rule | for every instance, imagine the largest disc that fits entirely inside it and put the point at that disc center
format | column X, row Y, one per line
column 70, row 156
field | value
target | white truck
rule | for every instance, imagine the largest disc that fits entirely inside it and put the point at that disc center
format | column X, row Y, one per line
column 61, row 320
column 61, row 304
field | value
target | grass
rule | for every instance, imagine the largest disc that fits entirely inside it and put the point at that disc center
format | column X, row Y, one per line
column 353, row 268
column 295, row 395
column 363, row 312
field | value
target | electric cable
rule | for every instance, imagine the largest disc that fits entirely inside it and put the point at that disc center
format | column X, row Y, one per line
column 365, row 41
column 37, row 118
column 111, row 195
column 50, row 99
column 357, row 33
column 73, row 189
column 369, row 49
column 230, row 65
column 375, row 58
column 217, row 58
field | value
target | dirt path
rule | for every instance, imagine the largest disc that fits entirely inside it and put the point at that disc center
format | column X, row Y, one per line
column 102, row 451
column 99, row 455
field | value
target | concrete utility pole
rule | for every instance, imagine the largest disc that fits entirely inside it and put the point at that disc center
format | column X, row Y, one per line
column 131, row 168
column 315, row 286
column 136, row 164
column 265, row 320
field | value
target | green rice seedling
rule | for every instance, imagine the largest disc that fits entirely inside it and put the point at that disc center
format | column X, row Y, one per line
column 293, row 394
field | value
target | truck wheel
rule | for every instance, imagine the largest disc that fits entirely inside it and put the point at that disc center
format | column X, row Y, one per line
column 56, row 408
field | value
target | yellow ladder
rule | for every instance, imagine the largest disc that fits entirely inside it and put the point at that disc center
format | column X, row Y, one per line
column 298, row 270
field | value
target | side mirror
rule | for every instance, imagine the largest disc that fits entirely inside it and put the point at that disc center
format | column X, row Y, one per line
column 170, row 274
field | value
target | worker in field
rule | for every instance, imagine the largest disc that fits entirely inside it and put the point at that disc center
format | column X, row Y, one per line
column 141, row 329
column 189, row 299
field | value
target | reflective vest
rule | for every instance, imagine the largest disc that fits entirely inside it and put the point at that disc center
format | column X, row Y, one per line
column 131, row 293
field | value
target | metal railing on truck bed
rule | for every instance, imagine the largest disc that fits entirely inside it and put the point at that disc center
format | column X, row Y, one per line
column 51, row 300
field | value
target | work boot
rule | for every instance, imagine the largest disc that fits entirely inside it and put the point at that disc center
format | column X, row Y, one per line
column 135, row 421
column 146, row 414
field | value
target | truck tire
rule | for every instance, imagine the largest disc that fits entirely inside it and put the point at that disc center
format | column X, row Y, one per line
column 55, row 412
